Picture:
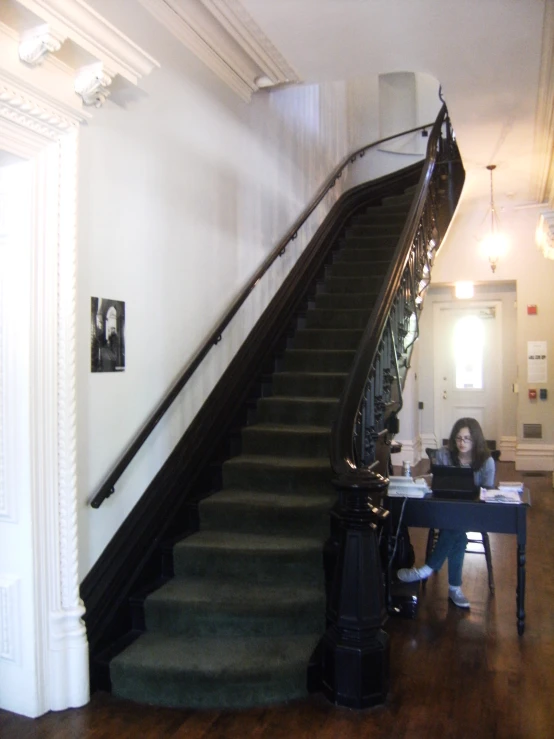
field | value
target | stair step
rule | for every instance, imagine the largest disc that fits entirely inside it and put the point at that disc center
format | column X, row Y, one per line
column 327, row 338
column 213, row 672
column 252, row 557
column 291, row 440
column 251, row 511
column 330, row 360
column 320, row 384
column 346, row 318
column 338, row 301
column 287, row 410
column 280, row 475
column 215, row 607
column 374, row 249
column 358, row 255
column 370, row 284
column 358, row 269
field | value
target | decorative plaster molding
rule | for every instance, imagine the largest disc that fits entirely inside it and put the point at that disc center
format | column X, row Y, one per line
column 47, row 118
column 10, row 617
column 85, row 27
column 225, row 38
column 246, row 32
column 39, row 42
column 61, row 680
column 91, row 84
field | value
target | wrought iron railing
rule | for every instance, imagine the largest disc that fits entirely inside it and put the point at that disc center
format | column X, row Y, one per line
column 373, row 392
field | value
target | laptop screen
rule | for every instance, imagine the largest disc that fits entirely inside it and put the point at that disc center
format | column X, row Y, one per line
column 453, row 481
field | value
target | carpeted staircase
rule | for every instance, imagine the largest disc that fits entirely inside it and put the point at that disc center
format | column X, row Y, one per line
column 239, row 621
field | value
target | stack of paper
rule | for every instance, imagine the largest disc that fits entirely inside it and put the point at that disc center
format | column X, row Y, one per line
column 500, row 495
column 518, row 486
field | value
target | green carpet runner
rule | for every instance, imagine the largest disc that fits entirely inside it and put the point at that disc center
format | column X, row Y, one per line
column 238, row 623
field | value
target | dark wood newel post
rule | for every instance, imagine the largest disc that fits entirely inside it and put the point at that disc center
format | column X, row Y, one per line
column 355, row 650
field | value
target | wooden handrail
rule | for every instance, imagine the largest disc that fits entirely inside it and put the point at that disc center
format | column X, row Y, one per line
column 108, row 486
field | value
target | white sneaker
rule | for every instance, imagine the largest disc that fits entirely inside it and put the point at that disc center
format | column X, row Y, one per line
column 457, row 597
column 413, row 574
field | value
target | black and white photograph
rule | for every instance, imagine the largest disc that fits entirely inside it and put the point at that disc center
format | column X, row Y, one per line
column 107, row 335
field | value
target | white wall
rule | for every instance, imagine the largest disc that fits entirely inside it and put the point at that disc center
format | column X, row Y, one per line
column 182, row 194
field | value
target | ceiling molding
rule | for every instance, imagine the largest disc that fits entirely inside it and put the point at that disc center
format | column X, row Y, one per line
column 227, row 40
column 543, row 165
column 79, row 22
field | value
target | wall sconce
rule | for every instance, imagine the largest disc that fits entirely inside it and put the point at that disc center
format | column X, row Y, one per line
column 463, row 290
column 495, row 243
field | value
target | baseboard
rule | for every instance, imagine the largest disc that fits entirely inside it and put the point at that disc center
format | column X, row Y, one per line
column 536, row 457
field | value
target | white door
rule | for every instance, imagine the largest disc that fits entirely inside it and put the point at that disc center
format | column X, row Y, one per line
column 468, row 365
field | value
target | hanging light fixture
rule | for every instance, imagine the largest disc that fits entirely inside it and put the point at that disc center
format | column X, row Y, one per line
column 494, row 244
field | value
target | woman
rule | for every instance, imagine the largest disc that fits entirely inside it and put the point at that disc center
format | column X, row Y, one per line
column 466, row 448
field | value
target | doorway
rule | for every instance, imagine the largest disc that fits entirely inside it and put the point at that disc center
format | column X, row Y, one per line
column 468, row 366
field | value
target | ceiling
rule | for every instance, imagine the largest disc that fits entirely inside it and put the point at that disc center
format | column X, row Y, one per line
column 486, row 55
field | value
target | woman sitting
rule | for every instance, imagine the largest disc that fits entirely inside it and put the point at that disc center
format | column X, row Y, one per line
column 466, row 448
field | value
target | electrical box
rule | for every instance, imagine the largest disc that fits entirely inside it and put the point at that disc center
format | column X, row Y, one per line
column 543, row 393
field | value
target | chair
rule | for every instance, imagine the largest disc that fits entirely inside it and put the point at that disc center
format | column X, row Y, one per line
column 484, row 540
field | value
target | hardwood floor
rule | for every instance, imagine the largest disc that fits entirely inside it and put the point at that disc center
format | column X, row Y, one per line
column 454, row 674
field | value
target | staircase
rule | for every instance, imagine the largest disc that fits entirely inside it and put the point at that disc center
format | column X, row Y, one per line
column 238, row 623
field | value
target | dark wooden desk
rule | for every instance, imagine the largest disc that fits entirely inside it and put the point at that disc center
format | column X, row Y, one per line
column 462, row 515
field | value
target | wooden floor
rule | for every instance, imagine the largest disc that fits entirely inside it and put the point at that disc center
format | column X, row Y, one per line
column 454, row 674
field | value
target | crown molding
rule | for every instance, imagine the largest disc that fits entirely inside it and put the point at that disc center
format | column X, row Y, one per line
column 543, row 165
column 227, row 40
column 79, row 22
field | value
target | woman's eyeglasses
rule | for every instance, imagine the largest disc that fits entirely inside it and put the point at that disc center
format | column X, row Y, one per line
column 463, row 438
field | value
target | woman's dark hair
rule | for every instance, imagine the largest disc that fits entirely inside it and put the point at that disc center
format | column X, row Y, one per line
column 479, row 450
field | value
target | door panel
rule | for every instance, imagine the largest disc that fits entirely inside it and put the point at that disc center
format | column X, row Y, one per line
column 468, row 365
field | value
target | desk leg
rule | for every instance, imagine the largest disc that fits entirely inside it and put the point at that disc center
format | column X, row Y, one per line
column 520, row 592
column 521, row 527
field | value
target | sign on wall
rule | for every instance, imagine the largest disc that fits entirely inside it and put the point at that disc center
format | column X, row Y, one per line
column 536, row 361
column 107, row 335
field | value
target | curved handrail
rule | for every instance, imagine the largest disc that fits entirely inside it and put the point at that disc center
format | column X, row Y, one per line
column 343, row 459
column 107, row 487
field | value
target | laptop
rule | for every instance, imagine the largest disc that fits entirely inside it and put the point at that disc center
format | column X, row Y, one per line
column 453, row 483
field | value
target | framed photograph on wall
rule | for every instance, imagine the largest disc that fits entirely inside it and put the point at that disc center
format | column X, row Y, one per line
column 107, row 335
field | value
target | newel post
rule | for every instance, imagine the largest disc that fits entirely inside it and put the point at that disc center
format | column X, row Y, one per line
column 354, row 650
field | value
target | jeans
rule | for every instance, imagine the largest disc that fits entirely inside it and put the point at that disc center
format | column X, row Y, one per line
column 452, row 545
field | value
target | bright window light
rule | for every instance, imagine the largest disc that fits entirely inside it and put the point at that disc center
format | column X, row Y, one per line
column 464, row 290
column 469, row 338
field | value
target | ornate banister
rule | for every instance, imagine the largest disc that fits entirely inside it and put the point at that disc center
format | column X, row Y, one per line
column 108, row 486
column 354, row 651
column 393, row 324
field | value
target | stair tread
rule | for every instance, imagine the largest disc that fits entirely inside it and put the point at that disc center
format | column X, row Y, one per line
column 211, row 655
column 265, row 499
column 263, row 460
column 289, row 373
column 247, row 542
column 288, row 428
column 300, row 399
column 236, row 595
